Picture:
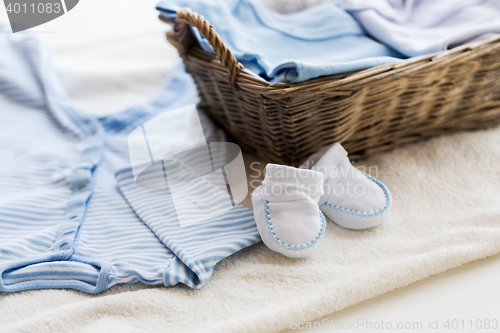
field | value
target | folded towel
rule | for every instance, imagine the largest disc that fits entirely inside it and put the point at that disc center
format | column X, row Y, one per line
column 418, row 27
column 322, row 40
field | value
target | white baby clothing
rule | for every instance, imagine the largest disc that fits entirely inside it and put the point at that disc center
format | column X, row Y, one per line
column 286, row 210
column 419, row 27
column 351, row 198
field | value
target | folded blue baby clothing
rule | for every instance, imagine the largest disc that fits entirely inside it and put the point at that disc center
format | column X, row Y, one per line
column 419, row 27
column 322, row 40
column 71, row 215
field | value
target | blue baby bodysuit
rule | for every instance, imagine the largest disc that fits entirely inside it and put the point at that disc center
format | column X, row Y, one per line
column 71, row 215
column 322, row 40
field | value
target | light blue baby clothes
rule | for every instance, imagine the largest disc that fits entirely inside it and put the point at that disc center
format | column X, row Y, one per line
column 65, row 220
column 322, row 40
column 419, row 27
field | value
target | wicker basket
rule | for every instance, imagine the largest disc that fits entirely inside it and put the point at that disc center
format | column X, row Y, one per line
column 367, row 111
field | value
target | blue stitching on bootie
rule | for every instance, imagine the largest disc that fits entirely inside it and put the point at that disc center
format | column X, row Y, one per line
column 292, row 247
column 363, row 214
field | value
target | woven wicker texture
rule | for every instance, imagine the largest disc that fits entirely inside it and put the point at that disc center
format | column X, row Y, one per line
column 367, row 111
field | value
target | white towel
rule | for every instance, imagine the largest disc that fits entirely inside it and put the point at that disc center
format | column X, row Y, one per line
column 446, row 212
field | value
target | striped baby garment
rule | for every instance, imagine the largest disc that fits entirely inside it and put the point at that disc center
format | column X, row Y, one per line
column 71, row 215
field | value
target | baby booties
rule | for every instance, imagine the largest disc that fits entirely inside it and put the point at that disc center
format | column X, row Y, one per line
column 286, row 210
column 352, row 199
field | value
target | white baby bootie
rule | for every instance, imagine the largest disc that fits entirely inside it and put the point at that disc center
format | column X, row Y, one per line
column 352, row 199
column 286, row 210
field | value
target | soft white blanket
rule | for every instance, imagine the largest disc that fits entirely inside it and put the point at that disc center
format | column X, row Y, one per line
column 446, row 211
